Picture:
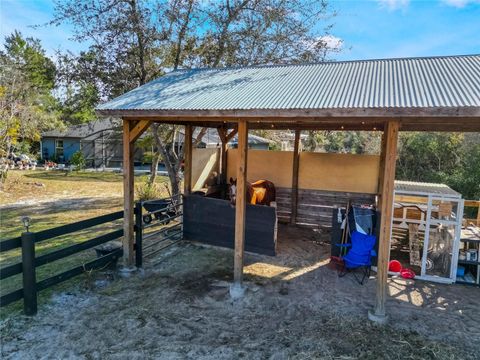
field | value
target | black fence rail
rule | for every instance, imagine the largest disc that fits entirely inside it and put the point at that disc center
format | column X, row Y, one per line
column 151, row 224
column 30, row 262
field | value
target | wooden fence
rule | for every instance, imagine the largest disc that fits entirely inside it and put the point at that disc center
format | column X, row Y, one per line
column 473, row 204
column 161, row 215
column 30, row 262
column 314, row 207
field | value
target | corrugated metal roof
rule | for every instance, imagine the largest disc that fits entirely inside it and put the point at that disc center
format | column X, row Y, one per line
column 414, row 187
column 429, row 82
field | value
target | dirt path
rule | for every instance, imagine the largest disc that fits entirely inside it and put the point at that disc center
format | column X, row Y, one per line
column 295, row 308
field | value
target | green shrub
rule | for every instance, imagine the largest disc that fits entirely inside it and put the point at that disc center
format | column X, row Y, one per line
column 78, row 160
column 146, row 191
column 147, row 157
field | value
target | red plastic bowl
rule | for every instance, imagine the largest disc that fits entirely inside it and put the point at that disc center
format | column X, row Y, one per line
column 394, row 266
column 407, row 274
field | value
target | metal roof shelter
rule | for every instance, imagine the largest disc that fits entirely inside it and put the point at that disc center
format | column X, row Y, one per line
column 413, row 94
column 435, row 88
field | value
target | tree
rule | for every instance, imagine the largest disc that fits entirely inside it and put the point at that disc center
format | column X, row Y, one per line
column 80, row 81
column 431, row 157
column 450, row 158
column 135, row 41
column 27, row 78
column 354, row 142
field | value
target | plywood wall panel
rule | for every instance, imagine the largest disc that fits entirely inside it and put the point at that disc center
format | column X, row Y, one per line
column 339, row 172
column 205, row 164
column 275, row 166
column 318, row 171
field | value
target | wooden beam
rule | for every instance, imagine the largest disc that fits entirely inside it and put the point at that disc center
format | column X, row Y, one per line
column 327, row 122
column 230, row 136
column 222, row 132
column 240, row 207
column 187, row 172
column 296, row 163
column 478, row 218
column 359, row 113
column 140, row 127
column 381, row 170
column 389, row 155
column 128, row 195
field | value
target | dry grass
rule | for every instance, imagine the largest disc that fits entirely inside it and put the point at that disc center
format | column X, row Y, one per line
column 28, row 186
column 35, row 186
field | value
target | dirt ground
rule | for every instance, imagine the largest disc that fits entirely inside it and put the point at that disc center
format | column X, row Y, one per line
column 295, row 307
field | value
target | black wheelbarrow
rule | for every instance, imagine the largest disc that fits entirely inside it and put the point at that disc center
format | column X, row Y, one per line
column 161, row 210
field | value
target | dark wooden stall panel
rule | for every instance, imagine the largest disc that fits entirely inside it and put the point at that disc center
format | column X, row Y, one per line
column 212, row 221
column 315, row 206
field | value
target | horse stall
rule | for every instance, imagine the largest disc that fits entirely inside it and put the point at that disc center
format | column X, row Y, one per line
column 325, row 183
column 212, row 221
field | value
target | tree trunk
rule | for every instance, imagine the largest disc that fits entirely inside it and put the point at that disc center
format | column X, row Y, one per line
column 172, row 166
column 154, row 168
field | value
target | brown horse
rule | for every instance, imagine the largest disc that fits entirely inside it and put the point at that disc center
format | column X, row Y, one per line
column 261, row 192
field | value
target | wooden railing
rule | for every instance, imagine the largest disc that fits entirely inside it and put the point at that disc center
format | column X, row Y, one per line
column 424, row 200
column 30, row 262
column 473, row 204
column 159, row 217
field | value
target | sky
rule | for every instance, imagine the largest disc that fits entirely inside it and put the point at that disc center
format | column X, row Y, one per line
column 366, row 29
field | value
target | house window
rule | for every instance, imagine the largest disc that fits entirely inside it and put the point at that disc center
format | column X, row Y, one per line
column 59, row 148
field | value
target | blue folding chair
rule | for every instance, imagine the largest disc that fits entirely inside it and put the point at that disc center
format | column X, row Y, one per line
column 359, row 255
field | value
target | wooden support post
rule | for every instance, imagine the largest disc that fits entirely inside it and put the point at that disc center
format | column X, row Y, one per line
column 478, row 215
column 187, row 172
column 222, row 133
column 381, row 169
column 240, row 209
column 29, row 274
column 138, row 235
column 128, row 195
column 389, row 157
column 296, row 163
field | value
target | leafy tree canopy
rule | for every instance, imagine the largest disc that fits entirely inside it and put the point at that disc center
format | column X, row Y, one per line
column 27, row 78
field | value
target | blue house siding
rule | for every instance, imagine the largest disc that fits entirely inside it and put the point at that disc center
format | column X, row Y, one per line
column 70, row 146
column 48, row 149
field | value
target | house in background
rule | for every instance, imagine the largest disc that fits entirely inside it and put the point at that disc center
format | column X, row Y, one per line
column 101, row 143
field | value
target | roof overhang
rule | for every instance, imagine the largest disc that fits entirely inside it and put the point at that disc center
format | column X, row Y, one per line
column 465, row 119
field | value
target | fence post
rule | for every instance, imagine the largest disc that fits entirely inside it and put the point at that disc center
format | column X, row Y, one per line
column 138, row 234
column 29, row 274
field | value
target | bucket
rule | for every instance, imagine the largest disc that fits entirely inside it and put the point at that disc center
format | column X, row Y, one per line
column 394, row 266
